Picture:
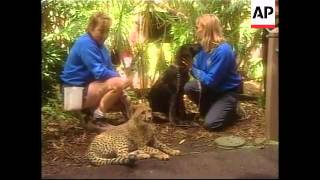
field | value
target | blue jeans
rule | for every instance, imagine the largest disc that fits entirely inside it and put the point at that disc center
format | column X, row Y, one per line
column 218, row 109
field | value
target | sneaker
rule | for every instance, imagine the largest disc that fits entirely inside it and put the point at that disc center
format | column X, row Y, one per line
column 98, row 115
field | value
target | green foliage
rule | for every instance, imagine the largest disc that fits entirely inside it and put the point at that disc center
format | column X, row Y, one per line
column 143, row 63
column 159, row 56
column 249, row 39
column 122, row 22
column 255, row 71
column 183, row 30
column 262, row 101
column 52, row 56
column 53, row 111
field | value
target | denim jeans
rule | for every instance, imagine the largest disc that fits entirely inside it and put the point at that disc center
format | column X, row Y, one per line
column 217, row 108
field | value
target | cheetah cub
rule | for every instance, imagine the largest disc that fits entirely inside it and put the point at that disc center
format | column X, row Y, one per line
column 126, row 143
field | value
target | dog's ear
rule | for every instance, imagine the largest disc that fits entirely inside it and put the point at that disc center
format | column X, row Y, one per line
column 195, row 48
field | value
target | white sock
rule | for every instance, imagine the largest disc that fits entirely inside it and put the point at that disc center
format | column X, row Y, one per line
column 98, row 113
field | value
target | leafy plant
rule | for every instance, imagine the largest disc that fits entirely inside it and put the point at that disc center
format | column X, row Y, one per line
column 255, row 69
column 53, row 111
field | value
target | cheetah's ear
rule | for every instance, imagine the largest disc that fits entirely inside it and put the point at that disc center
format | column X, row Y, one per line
column 138, row 110
column 134, row 107
column 139, row 106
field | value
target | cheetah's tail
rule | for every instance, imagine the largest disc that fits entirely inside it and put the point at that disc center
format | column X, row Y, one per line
column 98, row 161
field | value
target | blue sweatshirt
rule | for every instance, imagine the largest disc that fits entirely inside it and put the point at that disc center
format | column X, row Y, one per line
column 217, row 69
column 87, row 61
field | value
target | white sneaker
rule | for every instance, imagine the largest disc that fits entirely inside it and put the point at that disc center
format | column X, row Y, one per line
column 98, row 115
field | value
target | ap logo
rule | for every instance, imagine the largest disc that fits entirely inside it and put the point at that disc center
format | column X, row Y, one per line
column 262, row 13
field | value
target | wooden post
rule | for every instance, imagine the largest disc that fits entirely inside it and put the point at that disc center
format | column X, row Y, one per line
column 272, row 87
column 264, row 59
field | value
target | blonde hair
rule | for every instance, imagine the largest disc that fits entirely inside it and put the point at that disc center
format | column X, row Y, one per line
column 212, row 31
column 96, row 18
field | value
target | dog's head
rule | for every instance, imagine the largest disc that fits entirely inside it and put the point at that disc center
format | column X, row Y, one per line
column 186, row 53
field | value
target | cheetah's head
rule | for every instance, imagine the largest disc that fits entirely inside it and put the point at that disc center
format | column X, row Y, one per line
column 142, row 114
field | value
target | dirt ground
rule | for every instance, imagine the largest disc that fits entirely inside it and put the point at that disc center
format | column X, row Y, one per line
column 232, row 164
column 64, row 144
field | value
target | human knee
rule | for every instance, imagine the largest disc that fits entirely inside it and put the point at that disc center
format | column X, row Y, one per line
column 186, row 87
column 191, row 86
column 111, row 85
column 213, row 125
column 214, row 121
column 117, row 84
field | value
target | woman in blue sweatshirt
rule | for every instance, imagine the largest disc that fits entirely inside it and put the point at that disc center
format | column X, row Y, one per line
column 89, row 65
column 214, row 67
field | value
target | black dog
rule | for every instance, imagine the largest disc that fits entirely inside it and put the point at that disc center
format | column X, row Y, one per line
column 166, row 95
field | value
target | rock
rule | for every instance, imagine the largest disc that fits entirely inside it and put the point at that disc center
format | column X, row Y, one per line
column 247, row 147
column 271, row 142
column 230, row 142
column 226, row 148
column 259, row 141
